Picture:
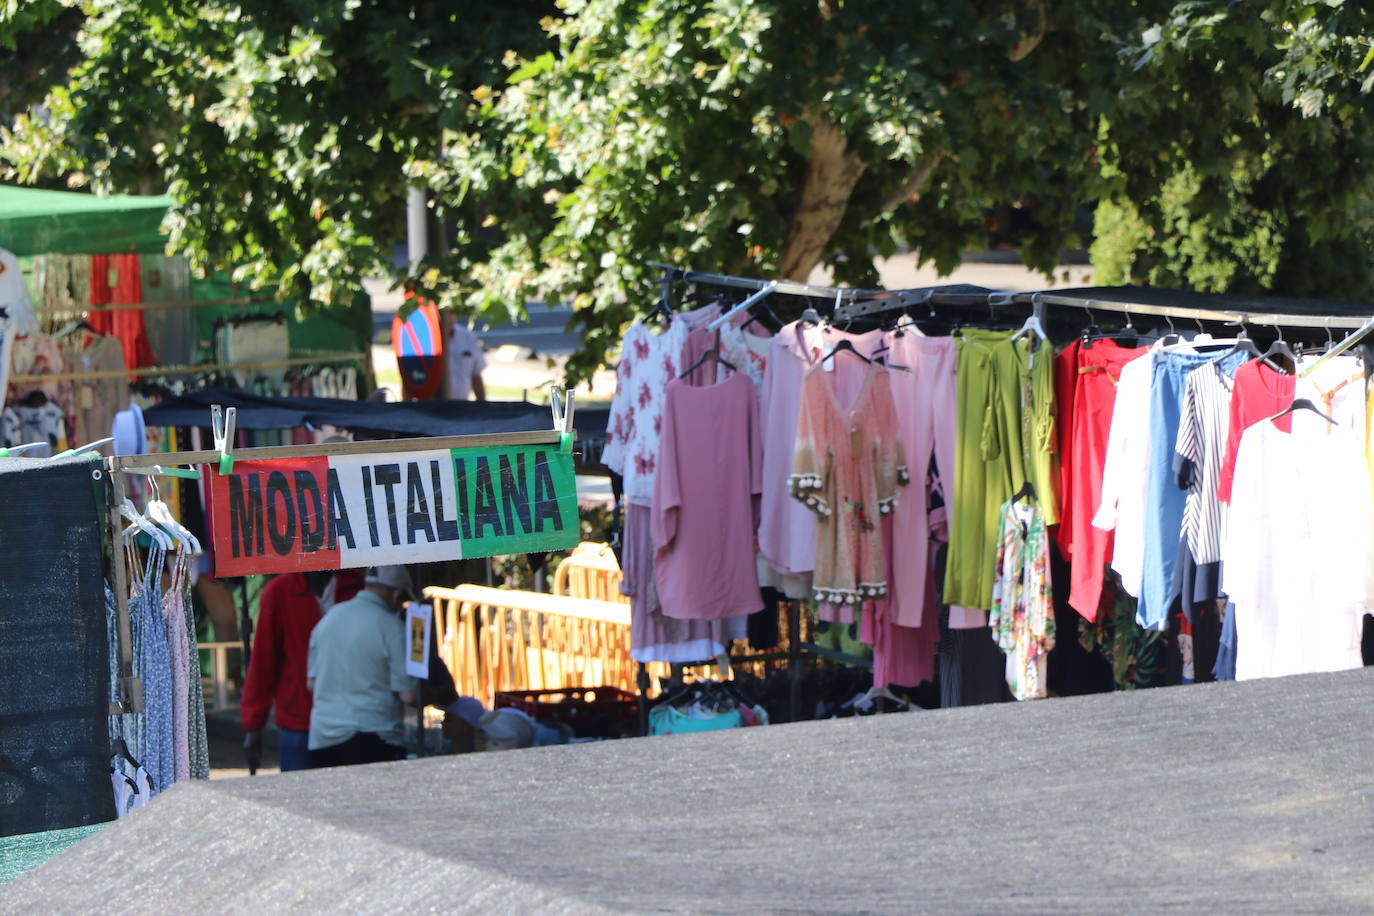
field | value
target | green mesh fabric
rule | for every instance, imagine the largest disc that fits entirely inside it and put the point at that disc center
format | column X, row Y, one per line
column 20, row 853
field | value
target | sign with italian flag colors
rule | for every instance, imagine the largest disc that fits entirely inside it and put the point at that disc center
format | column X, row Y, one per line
column 348, row 511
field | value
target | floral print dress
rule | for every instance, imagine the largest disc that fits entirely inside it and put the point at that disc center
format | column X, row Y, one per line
column 846, row 468
column 1022, row 615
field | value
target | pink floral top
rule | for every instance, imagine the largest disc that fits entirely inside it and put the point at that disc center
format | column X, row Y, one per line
column 648, row 362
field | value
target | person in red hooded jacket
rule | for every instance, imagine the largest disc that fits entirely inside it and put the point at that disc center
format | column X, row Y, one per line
column 290, row 606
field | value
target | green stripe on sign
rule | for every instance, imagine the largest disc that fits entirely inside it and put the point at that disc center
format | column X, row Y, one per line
column 515, row 499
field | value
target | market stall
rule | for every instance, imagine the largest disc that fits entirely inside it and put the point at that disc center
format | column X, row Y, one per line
column 101, row 320
column 93, row 672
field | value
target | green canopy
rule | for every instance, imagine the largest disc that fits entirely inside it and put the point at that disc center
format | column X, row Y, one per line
column 61, row 222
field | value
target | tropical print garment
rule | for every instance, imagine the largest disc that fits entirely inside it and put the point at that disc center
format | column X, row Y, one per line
column 1022, row 614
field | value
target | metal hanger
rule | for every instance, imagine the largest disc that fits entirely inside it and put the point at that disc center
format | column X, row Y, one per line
column 756, row 297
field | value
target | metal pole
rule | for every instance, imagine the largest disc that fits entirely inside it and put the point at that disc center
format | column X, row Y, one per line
column 131, row 688
column 794, row 656
column 417, row 234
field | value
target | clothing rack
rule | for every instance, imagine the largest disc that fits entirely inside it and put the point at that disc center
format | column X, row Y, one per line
column 322, row 358
column 1121, row 304
column 151, row 306
column 849, row 304
column 131, row 688
column 1126, row 300
column 783, row 287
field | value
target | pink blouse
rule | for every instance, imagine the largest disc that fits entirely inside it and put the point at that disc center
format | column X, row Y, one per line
column 705, row 500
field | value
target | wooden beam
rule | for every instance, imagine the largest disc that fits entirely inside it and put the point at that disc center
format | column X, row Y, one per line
column 422, row 443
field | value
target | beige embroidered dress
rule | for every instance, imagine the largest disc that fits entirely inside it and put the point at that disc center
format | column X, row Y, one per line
column 846, row 468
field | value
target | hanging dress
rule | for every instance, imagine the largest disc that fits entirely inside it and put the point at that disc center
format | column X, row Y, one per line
column 846, row 468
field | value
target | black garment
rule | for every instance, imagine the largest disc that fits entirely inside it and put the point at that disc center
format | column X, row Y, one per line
column 364, row 747
column 1195, row 585
column 1071, row 670
column 971, row 668
column 763, row 629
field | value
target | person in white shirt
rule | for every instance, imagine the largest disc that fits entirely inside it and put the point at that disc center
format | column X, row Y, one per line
column 465, row 362
column 356, row 670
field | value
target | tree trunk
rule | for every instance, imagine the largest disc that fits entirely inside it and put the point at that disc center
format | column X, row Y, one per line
column 832, row 171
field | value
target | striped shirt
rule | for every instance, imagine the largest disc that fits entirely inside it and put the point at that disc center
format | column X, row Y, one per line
column 1200, row 451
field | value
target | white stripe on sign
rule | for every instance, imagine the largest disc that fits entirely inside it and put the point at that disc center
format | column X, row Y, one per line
column 402, row 507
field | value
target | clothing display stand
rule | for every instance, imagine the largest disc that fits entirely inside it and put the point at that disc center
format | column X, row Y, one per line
column 842, row 306
column 319, row 359
column 131, row 690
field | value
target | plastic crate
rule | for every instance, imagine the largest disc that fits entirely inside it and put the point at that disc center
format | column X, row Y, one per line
column 591, row 712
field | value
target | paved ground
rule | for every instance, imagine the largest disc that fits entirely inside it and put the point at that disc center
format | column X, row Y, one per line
column 1254, row 797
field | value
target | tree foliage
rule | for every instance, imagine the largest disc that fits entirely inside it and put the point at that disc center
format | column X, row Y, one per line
column 766, row 138
column 1247, row 168
column 37, row 47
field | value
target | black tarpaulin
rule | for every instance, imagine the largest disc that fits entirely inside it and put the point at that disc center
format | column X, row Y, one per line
column 408, row 418
column 54, row 657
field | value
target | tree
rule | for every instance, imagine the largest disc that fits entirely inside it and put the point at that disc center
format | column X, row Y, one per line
column 37, row 47
column 761, row 137
column 1249, row 168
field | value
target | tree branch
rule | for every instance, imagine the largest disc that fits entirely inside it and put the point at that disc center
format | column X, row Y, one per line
column 1030, row 41
column 914, row 183
column 832, row 171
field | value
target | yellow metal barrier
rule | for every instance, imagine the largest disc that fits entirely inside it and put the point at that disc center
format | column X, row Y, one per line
column 498, row 639
column 590, row 571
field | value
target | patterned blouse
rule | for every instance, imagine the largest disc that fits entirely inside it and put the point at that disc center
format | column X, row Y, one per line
column 1022, row 615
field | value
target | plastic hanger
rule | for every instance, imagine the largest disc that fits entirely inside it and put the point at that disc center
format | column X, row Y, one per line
column 161, row 513
column 709, row 354
column 1091, row 330
column 662, row 309
column 140, row 523
column 878, row 693
column 1173, row 337
column 16, row 450
column 1033, row 324
column 1279, row 349
column 1304, row 404
column 846, row 345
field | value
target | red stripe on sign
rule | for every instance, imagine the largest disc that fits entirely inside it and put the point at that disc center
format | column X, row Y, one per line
column 272, row 517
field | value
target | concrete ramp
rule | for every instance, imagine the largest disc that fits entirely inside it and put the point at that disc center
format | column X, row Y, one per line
column 1253, row 797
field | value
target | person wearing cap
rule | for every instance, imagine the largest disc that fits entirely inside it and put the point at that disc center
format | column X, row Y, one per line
column 357, row 674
